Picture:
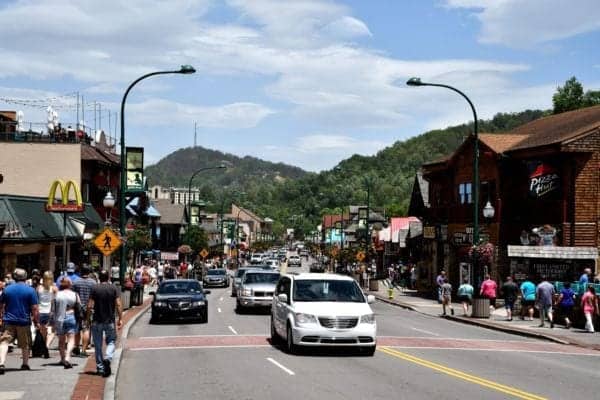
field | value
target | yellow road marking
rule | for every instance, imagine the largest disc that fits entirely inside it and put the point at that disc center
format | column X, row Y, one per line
column 461, row 375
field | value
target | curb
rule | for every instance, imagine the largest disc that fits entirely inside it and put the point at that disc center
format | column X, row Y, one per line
column 110, row 386
column 483, row 324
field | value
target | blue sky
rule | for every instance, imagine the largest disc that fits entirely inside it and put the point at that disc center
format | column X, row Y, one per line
column 306, row 82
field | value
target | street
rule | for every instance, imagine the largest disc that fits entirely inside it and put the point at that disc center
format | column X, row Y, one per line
column 418, row 357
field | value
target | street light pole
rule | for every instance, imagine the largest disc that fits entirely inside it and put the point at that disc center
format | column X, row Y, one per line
column 189, row 197
column 185, row 69
column 475, row 189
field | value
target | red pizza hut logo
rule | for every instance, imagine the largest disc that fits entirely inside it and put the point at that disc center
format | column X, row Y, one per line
column 543, row 180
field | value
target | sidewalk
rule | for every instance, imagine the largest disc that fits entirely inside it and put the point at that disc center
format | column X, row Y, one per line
column 48, row 379
column 409, row 299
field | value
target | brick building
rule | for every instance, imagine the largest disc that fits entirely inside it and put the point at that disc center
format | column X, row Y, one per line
column 542, row 179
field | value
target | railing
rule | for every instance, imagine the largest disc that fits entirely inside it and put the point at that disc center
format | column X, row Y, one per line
column 59, row 137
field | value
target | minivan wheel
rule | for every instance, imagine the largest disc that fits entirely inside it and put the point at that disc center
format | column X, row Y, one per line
column 289, row 341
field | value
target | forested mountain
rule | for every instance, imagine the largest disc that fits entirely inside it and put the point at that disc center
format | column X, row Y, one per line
column 293, row 197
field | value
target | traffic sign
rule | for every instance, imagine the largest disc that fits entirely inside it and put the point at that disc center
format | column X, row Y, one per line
column 107, row 242
column 360, row 256
column 204, row 253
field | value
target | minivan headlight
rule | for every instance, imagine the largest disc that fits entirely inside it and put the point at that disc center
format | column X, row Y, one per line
column 367, row 319
column 305, row 319
column 246, row 292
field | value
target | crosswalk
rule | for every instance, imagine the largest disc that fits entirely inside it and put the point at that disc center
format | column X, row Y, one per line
column 11, row 395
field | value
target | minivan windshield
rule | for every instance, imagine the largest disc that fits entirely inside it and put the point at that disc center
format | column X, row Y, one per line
column 260, row 278
column 327, row 290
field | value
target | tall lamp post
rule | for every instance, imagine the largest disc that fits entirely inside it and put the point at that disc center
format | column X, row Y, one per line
column 475, row 189
column 189, row 197
column 185, row 69
column 108, row 202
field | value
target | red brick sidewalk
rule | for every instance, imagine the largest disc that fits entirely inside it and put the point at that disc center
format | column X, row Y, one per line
column 91, row 386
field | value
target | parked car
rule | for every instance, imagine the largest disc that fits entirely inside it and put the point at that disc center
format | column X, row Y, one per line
column 216, row 277
column 294, row 261
column 256, row 289
column 180, row 299
column 322, row 310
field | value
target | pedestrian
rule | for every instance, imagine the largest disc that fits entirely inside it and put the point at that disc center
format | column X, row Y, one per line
column 527, row 299
column 46, row 293
column 446, row 297
column 83, row 288
column 65, row 308
column 18, row 308
column 510, row 291
column 104, row 300
column 160, row 272
column 584, row 279
column 566, row 301
column 71, row 273
column 115, row 273
column 589, row 303
column 488, row 290
column 544, row 295
column 439, row 281
column 465, row 295
column 153, row 274
column 413, row 277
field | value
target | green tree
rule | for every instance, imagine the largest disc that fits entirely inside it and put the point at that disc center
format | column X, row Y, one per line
column 139, row 239
column 591, row 98
column 572, row 97
column 196, row 238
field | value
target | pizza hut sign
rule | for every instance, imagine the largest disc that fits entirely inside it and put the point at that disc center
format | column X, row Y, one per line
column 543, row 180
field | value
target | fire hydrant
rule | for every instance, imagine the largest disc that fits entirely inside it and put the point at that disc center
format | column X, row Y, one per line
column 391, row 292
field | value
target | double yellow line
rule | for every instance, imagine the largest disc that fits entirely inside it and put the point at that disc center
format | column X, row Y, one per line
column 461, row 375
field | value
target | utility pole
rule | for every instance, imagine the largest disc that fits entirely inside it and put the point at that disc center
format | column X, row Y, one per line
column 195, row 133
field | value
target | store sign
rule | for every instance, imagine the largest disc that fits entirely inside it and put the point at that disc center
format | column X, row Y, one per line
column 135, row 169
column 429, row 232
column 64, row 204
column 543, row 180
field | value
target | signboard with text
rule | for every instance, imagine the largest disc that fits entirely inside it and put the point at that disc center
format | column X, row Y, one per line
column 543, row 180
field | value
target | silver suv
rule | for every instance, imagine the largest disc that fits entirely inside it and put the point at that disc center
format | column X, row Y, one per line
column 294, row 261
column 256, row 289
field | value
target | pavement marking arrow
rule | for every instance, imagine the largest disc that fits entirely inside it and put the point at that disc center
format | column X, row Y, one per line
column 462, row 375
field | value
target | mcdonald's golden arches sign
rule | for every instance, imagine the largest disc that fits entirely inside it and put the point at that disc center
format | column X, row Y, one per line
column 64, row 204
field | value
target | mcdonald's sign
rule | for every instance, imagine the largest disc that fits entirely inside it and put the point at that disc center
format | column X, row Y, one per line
column 64, row 204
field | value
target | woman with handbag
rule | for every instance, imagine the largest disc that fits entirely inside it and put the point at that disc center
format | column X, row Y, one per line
column 66, row 311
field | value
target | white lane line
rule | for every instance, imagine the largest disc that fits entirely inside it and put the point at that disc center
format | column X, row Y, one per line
column 219, row 309
column 289, row 371
column 11, row 395
column 221, row 299
column 243, row 346
column 232, row 330
column 199, row 336
column 425, row 332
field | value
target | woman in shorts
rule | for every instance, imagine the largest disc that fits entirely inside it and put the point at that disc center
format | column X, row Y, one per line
column 465, row 295
column 46, row 293
column 66, row 305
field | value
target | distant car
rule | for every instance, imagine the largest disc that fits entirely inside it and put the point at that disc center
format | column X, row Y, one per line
column 256, row 258
column 180, row 299
column 273, row 263
column 322, row 310
column 216, row 277
column 294, row 261
column 317, row 267
column 256, row 289
column 237, row 279
column 303, row 253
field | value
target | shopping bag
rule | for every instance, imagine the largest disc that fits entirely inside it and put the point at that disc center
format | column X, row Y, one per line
column 38, row 349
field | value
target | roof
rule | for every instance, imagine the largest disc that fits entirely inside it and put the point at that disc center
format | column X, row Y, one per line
column 501, row 142
column 92, row 153
column 170, row 214
column 330, row 220
column 26, row 219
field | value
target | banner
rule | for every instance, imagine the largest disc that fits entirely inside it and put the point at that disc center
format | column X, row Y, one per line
column 134, row 157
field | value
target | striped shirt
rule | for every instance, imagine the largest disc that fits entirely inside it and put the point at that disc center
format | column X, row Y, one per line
column 83, row 287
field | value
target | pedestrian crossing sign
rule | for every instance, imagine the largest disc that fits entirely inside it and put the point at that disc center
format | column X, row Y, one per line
column 204, row 253
column 107, row 242
column 360, row 256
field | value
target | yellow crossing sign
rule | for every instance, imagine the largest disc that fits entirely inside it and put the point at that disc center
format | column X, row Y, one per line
column 107, row 242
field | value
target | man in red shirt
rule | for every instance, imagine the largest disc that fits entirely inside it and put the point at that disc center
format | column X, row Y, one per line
column 488, row 290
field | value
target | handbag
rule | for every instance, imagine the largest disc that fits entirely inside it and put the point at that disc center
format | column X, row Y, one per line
column 38, row 348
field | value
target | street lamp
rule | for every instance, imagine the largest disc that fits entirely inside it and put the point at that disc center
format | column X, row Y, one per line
column 418, row 82
column 488, row 210
column 189, row 198
column 185, row 69
column 108, row 202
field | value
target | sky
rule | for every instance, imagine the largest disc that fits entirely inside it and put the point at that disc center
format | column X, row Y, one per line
column 305, row 82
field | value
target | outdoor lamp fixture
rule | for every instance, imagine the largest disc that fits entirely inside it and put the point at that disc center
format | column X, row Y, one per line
column 488, row 210
column 189, row 198
column 417, row 82
column 108, row 202
column 184, row 69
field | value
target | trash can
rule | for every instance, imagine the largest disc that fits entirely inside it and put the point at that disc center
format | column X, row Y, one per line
column 481, row 308
column 126, row 299
column 374, row 285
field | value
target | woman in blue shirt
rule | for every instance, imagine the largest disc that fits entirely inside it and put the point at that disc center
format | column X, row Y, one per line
column 566, row 301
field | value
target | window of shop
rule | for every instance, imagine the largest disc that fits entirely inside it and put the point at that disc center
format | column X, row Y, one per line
column 464, row 193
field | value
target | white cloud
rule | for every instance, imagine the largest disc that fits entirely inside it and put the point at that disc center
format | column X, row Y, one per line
column 518, row 23
column 159, row 112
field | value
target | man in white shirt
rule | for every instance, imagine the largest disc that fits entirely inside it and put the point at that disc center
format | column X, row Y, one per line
column 160, row 272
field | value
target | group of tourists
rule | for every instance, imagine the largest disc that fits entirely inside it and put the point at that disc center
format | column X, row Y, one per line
column 544, row 297
column 68, row 308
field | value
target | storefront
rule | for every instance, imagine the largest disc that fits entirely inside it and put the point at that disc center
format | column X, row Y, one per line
column 552, row 262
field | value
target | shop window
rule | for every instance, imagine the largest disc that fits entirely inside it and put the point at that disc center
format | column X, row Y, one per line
column 464, row 193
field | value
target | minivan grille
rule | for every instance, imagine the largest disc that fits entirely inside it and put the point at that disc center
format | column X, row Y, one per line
column 338, row 322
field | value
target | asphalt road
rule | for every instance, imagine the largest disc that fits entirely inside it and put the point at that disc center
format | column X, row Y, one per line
column 418, row 357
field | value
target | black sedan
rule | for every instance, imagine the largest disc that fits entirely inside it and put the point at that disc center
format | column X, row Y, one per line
column 180, row 299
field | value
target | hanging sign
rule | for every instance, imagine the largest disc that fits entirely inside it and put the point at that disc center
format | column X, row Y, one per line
column 134, row 157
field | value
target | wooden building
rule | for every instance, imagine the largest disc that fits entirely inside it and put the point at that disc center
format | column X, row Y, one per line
column 542, row 180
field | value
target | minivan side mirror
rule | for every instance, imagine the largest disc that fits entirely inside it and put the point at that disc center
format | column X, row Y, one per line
column 370, row 299
column 282, row 297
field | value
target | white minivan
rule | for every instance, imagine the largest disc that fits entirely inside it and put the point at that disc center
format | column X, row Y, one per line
column 322, row 310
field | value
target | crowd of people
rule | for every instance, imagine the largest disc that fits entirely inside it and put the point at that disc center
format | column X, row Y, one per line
column 68, row 308
column 543, row 297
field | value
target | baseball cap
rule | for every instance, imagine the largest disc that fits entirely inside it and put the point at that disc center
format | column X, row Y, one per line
column 70, row 268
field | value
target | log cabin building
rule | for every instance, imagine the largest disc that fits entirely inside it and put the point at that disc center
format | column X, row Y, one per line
column 542, row 179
